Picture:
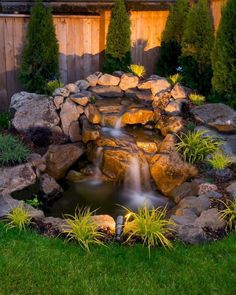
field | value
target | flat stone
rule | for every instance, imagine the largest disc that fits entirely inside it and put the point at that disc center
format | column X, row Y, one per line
column 206, row 187
column 137, row 116
column 174, row 108
column 49, row 186
column 108, row 80
column 110, row 120
column 147, row 146
column 160, row 85
column 107, row 91
column 128, row 81
column 73, row 88
column 81, row 98
column 33, row 110
column 16, row 178
column 89, row 132
column 191, row 234
column 108, row 105
column 184, row 190
column 134, row 93
column 92, row 79
column 61, row 91
column 82, row 84
column 217, row 115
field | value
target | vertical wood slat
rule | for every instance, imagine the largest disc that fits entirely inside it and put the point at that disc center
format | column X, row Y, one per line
column 3, row 79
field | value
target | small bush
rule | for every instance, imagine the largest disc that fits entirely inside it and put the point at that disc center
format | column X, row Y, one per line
column 52, row 86
column 174, row 79
column 12, row 151
column 195, row 147
column 18, row 218
column 229, row 213
column 4, row 120
column 197, row 99
column 151, row 226
column 81, row 228
column 138, row 70
column 219, row 160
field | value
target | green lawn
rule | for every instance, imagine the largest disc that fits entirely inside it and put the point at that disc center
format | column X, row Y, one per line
column 31, row 264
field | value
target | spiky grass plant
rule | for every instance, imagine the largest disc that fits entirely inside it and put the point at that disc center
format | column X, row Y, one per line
column 82, row 229
column 18, row 218
column 197, row 99
column 151, row 226
column 174, row 79
column 219, row 161
column 52, row 86
column 12, row 150
column 229, row 213
column 137, row 70
column 195, row 146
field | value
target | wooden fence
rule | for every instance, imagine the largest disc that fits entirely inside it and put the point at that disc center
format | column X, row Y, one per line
column 82, row 44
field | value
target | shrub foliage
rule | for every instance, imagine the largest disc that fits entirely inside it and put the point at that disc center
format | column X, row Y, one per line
column 172, row 38
column 118, row 47
column 223, row 55
column 40, row 54
column 197, row 45
column 12, row 150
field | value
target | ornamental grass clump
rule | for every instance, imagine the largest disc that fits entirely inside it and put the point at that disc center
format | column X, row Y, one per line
column 12, row 150
column 151, row 226
column 197, row 99
column 174, row 79
column 82, row 229
column 52, row 86
column 137, row 70
column 219, row 161
column 229, row 213
column 195, row 146
column 18, row 218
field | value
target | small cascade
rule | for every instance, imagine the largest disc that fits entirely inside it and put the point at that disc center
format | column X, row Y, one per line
column 98, row 161
column 138, row 195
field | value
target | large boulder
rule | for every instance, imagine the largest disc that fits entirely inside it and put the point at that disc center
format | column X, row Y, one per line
column 70, row 112
column 59, row 158
column 105, row 222
column 33, row 110
column 49, row 186
column 179, row 91
column 157, row 84
column 168, row 169
column 107, row 91
column 13, row 179
column 217, row 115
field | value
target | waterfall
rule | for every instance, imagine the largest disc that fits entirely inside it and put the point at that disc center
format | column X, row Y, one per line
column 133, row 176
column 97, row 163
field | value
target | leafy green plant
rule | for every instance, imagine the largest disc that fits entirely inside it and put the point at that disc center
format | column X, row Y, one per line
column 197, row 99
column 34, row 202
column 171, row 39
column 229, row 213
column 93, row 99
column 138, row 70
column 4, row 120
column 219, row 160
column 12, row 150
column 81, row 228
column 52, row 86
column 40, row 57
column 118, row 46
column 194, row 146
column 151, row 226
column 223, row 56
column 174, row 79
column 196, row 47
column 18, row 218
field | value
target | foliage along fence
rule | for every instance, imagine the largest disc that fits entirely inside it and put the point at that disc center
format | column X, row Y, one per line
column 82, row 44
